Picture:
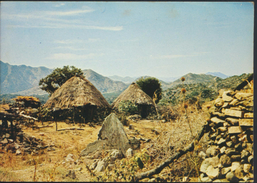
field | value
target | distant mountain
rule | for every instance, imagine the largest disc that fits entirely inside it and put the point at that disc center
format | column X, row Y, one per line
column 16, row 78
column 190, row 78
column 24, row 80
column 127, row 79
column 218, row 74
column 104, row 84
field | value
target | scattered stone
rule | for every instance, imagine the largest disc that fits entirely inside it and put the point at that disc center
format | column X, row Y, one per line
column 116, row 154
column 70, row 158
column 231, row 151
column 238, row 147
column 233, row 121
column 129, row 153
column 214, row 161
column 221, row 142
column 204, row 178
column 202, row 154
column 217, row 120
column 247, row 168
column 234, row 166
column 232, row 113
column 222, row 150
column 212, row 172
column 18, row 152
column 239, row 172
column 205, row 164
column 225, row 170
column 245, row 154
column 225, row 160
column 101, row 165
column 248, row 115
column 229, row 143
column 235, row 157
column 234, row 130
column 230, row 176
column 212, row 151
column 5, row 141
column 250, row 159
column 246, row 122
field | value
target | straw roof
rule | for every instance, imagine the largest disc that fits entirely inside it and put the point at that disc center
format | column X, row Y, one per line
column 26, row 98
column 76, row 91
column 135, row 95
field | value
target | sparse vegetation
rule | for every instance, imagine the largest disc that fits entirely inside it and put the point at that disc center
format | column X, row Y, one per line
column 180, row 120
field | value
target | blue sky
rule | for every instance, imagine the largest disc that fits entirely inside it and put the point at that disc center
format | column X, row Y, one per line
column 160, row 39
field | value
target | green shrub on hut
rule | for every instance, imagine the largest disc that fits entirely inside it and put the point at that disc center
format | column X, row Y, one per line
column 127, row 107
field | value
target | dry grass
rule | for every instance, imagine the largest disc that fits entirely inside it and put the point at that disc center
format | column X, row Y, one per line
column 166, row 138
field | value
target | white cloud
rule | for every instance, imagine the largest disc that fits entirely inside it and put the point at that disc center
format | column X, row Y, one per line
column 54, row 20
column 71, row 56
column 59, row 5
column 67, row 13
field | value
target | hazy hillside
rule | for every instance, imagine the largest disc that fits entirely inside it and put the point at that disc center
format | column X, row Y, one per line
column 203, row 91
column 18, row 78
column 104, row 84
column 190, row 79
column 127, row 79
column 218, row 74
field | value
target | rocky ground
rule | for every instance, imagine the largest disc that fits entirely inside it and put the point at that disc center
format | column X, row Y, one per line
column 49, row 155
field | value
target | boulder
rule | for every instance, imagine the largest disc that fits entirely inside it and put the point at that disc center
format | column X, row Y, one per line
column 111, row 136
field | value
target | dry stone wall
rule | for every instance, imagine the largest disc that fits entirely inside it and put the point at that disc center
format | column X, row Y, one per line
column 229, row 156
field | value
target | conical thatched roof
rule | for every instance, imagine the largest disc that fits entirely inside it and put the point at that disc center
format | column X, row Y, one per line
column 76, row 91
column 135, row 95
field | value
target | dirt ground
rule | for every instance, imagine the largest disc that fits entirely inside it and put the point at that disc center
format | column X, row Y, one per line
column 49, row 166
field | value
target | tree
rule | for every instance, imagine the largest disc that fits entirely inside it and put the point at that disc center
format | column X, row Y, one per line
column 59, row 76
column 151, row 86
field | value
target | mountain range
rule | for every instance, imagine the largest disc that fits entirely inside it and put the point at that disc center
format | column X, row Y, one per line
column 24, row 80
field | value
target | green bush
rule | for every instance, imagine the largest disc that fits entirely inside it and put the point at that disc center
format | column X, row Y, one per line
column 127, row 107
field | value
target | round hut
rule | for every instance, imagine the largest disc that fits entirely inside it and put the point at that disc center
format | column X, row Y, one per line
column 79, row 95
column 137, row 96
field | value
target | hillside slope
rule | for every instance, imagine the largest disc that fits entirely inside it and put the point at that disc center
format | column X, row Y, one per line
column 102, row 83
column 190, row 79
column 16, row 78
column 201, row 91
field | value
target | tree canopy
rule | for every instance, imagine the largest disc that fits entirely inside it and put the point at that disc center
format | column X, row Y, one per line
column 152, row 87
column 58, row 77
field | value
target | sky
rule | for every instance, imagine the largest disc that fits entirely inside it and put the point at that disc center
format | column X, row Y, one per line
column 159, row 39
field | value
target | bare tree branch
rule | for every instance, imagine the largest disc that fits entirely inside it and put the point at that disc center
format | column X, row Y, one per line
column 159, row 168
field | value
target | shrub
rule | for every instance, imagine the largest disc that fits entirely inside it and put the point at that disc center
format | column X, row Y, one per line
column 127, row 107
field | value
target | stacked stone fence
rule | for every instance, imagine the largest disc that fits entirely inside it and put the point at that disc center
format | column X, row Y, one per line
column 229, row 156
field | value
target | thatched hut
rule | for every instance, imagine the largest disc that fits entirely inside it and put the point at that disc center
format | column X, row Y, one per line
column 78, row 93
column 27, row 101
column 137, row 96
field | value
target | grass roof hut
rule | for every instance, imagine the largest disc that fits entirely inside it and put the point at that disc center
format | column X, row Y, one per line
column 137, row 96
column 80, row 96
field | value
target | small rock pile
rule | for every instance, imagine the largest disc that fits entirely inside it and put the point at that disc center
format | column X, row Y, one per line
column 15, row 140
column 229, row 156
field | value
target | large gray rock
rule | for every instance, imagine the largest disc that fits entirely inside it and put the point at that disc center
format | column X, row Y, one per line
column 111, row 136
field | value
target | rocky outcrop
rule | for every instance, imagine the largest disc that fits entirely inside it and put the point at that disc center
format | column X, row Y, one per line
column 111, row 136
column 229, row 156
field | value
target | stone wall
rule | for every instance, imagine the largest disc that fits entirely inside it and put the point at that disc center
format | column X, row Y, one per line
column 229, row 156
